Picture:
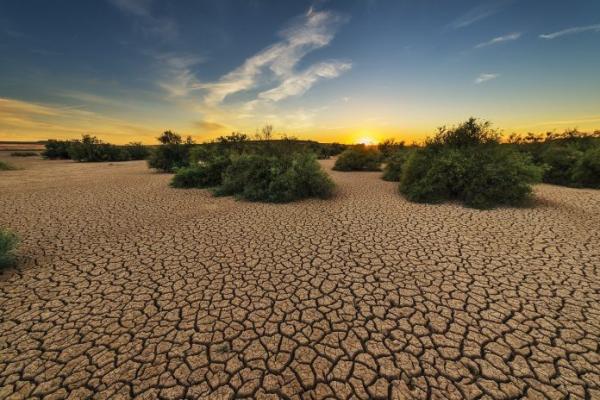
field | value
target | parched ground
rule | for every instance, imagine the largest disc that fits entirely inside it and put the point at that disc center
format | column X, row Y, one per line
column 128, row 288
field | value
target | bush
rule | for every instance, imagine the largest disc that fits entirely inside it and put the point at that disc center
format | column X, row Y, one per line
column 358, row 158
column 393, row 166
column 389, row 148
column 258, row 177
column 587, row 170
column 560, row 162
column 57, row 149
column 136, row 151
column 172, row 153
column 92, row 149
column 6, row 166
column 8, row 242
column 468, row 164
column 23, row 154
column 206, row 174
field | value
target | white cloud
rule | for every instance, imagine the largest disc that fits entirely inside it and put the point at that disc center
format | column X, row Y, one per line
column 500, row 39
column 571, row 31
column 311, row 31
column 297, row 84
column 478, row 13
column 485, row 77
column 150, row 24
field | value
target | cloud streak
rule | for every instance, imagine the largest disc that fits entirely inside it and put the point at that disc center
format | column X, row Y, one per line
column 500, row 39
column 485, row 77
column 477, row 14
column 571, row 31
column 312, row 31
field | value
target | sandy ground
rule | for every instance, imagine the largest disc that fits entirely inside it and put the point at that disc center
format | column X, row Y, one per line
column 128, row 288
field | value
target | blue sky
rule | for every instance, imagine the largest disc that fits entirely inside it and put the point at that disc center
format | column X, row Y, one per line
column 328, row 70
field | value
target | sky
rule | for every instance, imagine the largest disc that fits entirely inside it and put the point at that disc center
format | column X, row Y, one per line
column 345, row 70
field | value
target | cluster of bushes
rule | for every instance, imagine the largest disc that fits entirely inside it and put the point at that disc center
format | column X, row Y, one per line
column 570, row 159
column 358, row 158
column 467, row 163
column 91, row 149
column 24, row 154
column 267, row 170
column 8, row 243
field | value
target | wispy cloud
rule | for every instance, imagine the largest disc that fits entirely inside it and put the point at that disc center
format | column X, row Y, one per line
column 571, row 31
column 312, row 31
column 179, row 79
column 149, row 23
column 297, row 84
column 500, row 39
column 478, row 13
column 485, row 77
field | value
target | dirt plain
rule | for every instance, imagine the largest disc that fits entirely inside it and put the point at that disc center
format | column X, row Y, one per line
column 127, row 288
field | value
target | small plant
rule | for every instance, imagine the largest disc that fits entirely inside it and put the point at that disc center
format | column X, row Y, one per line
column 24, row 154
column 4, row 166
column 8, row 243
column 358, row 158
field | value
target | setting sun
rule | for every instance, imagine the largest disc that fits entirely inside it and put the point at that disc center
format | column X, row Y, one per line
column 366, row 141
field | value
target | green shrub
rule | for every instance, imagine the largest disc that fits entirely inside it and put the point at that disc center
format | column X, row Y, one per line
column 481, row 178
column 136, row 151
column 57, row 149
column 172, row 153
column 6, row 166
column 587, row 170
column 393, row 165
column 201, row 175
column 560, row 162
column 8, row 242
column 258, row 177
column 468, row 164
column 358, row 158
column 23, row 154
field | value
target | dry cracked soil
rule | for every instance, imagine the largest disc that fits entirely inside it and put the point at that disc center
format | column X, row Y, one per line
column 127, row 288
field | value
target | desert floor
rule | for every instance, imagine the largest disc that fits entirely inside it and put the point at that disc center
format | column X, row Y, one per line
column 128, row 288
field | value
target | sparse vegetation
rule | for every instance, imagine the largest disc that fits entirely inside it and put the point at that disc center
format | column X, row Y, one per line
column 358, row 158
column 24, row 154
column 467, row 163
column 91, row 149
column 8, row 243
column 4, row 166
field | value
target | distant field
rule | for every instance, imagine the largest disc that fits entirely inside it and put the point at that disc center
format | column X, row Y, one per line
column 21, row 146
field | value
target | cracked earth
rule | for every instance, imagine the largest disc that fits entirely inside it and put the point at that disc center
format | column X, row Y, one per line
column 127, row 288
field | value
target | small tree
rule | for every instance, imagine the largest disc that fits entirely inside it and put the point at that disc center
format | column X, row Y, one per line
column 172, row 152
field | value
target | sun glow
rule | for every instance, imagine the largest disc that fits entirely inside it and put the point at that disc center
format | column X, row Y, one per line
column 366, row 140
